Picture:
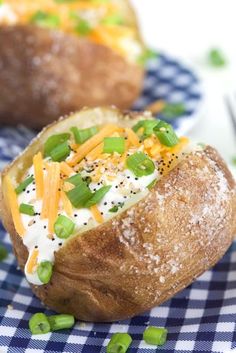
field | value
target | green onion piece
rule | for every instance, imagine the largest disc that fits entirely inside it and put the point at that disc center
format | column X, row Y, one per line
column 63, row 227
column 45, row 19
column 75, row 179
column 39, row 324
column 20, row 188
column 172, row 110
column 115, row 208
column 44, row 271
column 53, row 141
column 147, row 125
column 155, row 335
column 61, row 152
column 27, row 209
column 3, row 253
column 140, row 164
column 166, row 134
column 114, row 144
column 60, row 322
column 152, row 184
column 119, row 343
column 81, row 136
column 216, row 58
column 112, row 20
column 82, row 27
column 80, row 195
column 98, row 196
column 146, row 56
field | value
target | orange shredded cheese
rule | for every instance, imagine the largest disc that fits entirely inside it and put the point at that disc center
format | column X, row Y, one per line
column 156, row 149
column 38, row 173
column 96, row 214
column 66, row 169
column 90, row 144
column 32, row 261
column 132, row 137
column 95, row 153
column 14, row 207
column 54, row 196
column 66, row 204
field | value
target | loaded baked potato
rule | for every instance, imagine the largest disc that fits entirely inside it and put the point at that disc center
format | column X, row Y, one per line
column 54, row 52
column 111, row 213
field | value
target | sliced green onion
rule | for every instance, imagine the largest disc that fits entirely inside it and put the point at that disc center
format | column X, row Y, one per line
column 172, row 110
column 27, row 209
column 60, row 322
column 114, row 144
column 63, row 227
column 80, row 195
column 39, row 324
column 3, row 253
column 82, row 26
column 53, row 141
column 44, row 271
column 147, row 125
column 155, row 335
column 119, row 343
column 45, row 19
column 61, row 152
column 98, row 196
column 140, row 164
column 112, row 20
column 152, row 184
column 81, row 136
column 166, row 134
column 20, row 188
column 75, row 179
column 216, row 58
column 115, row 208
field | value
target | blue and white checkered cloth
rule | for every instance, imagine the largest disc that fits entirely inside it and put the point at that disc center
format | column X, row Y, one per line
column 199, row 319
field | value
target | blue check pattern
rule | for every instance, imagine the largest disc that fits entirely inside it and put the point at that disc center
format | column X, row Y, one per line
column 199, row 319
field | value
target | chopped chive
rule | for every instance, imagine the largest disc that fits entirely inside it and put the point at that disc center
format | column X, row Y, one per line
column 173, row 110
column 53, row 141
column 63, row 227
column 166, row 134
column 27, row 209
column 147, row 125
column 75, row 179
column 39, row 324
column 60, row 322
column 114, row 144
column 152, row 184
column 61, row 152
column 155, row 335
column 83, row 135
column 82, row 26
column 98, row 196
column 44, row 271
column 45, row 19
column 115, row 208
column 3, row 253
column 140, row 164
column 20, row 188
column 119, row 343
column 146, row 56
column 80, row 195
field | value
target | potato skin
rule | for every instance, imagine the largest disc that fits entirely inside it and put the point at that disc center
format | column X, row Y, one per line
column 148, row 253
column 45, row 74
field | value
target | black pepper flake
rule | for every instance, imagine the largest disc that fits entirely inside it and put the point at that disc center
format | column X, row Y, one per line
column 36, row 247
column 101, row 213
column 28, row 191
column 128, row 177
column 75, row 215
column 85, row 223
column 44, row 227
column 33, row 189
column 60, row 244
column 105, row 203
column 53, row 239
column 59, row 189
column 116, row 186
column 136, row 178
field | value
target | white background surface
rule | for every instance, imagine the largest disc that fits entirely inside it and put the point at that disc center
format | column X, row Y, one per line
column 187, row 29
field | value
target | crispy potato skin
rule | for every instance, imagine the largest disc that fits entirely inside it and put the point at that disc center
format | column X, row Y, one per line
column 148, row 253
column 45, row 74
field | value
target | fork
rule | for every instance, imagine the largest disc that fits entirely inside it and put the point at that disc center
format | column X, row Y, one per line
column 230, row 102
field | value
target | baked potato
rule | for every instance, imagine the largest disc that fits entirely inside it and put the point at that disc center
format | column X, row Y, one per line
column 118, row 214
column 53, row 52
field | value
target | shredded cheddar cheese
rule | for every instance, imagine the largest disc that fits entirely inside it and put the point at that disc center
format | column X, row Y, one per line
column 67, row 206
column 132, row 137
column 14, row 207
column 32, row 261
column 54, row 196
column 38, row 173
column 66, row 169
column 96, row 214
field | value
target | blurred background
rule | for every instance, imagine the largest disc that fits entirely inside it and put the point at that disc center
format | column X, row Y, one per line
column 188, row 30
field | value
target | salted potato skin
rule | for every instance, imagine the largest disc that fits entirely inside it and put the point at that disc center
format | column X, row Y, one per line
column 45, row 74
column 148, row 253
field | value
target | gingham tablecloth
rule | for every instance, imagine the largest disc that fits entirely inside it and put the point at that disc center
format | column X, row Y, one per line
column 199, row 319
